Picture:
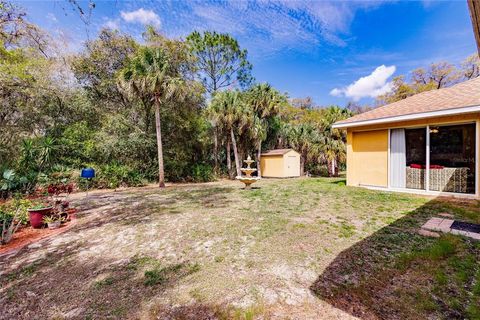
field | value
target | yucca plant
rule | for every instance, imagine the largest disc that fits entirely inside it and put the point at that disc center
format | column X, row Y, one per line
column 10, row 222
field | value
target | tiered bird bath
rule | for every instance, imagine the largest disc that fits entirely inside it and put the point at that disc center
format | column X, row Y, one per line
column 247, row 179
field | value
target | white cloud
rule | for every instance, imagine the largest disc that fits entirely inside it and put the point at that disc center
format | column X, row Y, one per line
column 112, row 24
column 336, row 92
column 266, row 27
column 141, row 16
column 371, row 86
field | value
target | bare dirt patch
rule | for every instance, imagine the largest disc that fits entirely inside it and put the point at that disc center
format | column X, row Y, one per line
column 201, row 250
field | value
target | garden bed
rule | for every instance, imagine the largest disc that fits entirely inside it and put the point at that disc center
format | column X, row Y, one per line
column 27, row 235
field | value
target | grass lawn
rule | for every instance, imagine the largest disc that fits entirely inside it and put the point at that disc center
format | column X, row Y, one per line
column 290, row 249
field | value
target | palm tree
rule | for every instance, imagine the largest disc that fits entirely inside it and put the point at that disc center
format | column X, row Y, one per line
column 305, row 139
column 227, row 109
column 149, row 74
column 259, row 132
column 265, row 102
column 333, row 140
column 215, row 112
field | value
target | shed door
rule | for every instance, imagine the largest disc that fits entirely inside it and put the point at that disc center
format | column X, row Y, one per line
column 292, row 166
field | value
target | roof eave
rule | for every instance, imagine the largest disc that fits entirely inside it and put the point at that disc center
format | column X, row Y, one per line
column 406, row 117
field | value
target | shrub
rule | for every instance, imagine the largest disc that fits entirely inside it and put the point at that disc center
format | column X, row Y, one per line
column 11, row 182
column 77, row 144
column 12, row 215
column 202, row 173
column 112, row 176
column 317, row 170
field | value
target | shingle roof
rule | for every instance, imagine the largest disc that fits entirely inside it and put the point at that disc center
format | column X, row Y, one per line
column 464, row 94
column 276, row 152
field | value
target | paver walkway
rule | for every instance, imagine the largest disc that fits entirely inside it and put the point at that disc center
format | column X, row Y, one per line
column 452, row 226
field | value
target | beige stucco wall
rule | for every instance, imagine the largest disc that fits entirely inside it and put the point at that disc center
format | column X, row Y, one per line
column 281, row 166
column 367, row 158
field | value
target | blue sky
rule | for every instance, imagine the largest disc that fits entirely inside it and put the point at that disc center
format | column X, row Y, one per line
column 333, row 51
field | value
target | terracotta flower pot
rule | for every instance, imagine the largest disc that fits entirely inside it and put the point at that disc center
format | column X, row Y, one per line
column 36, row 216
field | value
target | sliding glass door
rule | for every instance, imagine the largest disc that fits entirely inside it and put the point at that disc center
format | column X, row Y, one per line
column 434, row 158
column 416, row 158
column 452, row 158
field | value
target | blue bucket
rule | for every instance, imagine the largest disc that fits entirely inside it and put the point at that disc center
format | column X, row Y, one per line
column 88, row 173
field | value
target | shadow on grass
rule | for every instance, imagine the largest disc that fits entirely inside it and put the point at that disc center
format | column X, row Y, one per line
column 143, row 206
column 58, row 286
column 341, row 182
column 398, row 274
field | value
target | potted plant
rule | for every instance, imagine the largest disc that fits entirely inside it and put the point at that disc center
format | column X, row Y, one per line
column 58, row 193
column 54, row 221
column 37, row 213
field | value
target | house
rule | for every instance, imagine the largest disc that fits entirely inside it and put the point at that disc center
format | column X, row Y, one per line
column 427, row 143
column 280, row 163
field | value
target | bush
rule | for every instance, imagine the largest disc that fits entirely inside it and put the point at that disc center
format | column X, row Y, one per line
column 317, row 170
column 57, row 174
column 202, row 173
column 112, row 176
column 12, row 215
column 77, row 144
column 11, row 182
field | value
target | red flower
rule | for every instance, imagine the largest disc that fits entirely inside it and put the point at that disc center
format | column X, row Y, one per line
column 51, row 189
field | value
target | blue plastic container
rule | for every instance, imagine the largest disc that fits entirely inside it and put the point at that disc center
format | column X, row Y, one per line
column 88, row 173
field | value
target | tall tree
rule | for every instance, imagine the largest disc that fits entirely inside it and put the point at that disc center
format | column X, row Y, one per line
column 302, row 103
column 265, row 103
column 333, row 140
column 436, row 76
column 470, row 67
column 34, row 87
column 230, row 113
column 305, row 139
column 220, row 63
column 150, row 74
column 97, row 65
column 17, row 32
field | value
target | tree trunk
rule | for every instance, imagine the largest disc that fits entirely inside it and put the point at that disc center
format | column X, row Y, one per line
column 336, row 167
column 332, row 167
column 215, row 148
column 302, row 165
column 161, row 173
column 259, row 154
column 235, row 152
column 148, row 114
column 229, row 160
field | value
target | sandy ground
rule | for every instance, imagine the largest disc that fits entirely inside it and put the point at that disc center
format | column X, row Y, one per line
column 248, row 253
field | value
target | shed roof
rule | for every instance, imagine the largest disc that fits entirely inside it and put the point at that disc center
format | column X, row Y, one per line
column 463, row 97
column 276, row 152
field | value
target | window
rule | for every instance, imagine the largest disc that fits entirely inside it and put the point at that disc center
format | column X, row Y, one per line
column 416, row 157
